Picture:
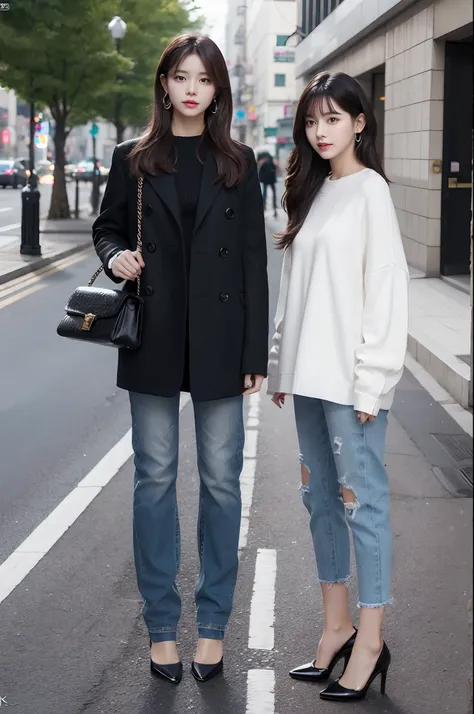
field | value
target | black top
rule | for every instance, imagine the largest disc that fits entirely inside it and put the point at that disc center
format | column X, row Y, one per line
column 190, row 157
column 188, row 182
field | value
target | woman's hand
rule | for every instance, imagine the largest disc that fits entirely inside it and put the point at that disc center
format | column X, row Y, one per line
column 363, row 417
column 279, row 399
column 128, row 265
column 252, row 383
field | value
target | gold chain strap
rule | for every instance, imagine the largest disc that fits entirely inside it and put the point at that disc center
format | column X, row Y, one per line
column 139, row 235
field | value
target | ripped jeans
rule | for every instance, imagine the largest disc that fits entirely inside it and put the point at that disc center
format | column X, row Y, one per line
column 156, row 534
column 336, row 450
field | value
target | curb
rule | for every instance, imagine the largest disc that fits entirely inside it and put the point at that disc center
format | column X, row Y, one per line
column 41, row 263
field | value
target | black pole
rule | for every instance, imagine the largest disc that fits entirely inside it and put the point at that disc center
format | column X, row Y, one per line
column 95, row 194
column 30, row 201
column 118, row 104
column 76, row 211
column 32, row 136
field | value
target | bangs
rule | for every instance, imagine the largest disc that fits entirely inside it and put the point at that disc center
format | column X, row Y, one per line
column 320, row 102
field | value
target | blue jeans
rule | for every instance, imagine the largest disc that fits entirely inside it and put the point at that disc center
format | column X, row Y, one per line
column 156, row 535
column 338, row 451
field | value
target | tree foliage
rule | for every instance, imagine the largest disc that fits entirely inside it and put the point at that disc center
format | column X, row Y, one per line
column 61, row 55
column 151, row 24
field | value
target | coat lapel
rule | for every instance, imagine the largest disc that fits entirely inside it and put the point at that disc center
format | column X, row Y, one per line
column 164, row 186
column 209, row 188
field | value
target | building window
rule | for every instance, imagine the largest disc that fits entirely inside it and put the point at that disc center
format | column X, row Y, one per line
column 280, row 80
column 281, row 40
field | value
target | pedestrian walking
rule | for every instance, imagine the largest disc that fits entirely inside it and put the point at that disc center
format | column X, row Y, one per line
column 268, row 178
column 339, row 349
column 205, row 331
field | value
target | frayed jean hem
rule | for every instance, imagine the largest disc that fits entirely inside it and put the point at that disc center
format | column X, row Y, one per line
column 341, row 581
column 372, row 606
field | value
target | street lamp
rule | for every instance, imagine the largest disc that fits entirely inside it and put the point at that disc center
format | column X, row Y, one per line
column 118, row 28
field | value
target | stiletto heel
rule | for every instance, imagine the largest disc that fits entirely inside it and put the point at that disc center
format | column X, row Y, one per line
column 171, row 673
column 310, row 673
column 335, row 692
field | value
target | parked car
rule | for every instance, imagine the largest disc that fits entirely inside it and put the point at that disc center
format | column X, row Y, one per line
column 26, row 165
column 69, row 171
column 85, row 171
column 12, row 173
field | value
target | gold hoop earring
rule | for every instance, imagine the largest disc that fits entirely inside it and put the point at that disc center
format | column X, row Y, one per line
column 167, row 102
column 358, row 138
column 213, row 111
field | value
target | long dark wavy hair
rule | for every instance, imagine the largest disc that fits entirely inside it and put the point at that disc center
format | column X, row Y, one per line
column 154, row 152
column 307, row 170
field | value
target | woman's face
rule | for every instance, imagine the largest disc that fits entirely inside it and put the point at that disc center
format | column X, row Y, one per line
column 189, row 86
column 331, row 131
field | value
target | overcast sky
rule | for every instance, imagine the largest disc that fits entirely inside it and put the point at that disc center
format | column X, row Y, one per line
column 215, row 12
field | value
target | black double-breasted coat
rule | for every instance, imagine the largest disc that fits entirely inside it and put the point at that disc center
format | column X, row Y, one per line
column 225, row 296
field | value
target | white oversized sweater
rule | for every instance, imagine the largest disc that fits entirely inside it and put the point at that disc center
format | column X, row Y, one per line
column 342, row 316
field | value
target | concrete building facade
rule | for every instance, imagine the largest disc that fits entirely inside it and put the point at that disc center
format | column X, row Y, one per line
column 414, row 58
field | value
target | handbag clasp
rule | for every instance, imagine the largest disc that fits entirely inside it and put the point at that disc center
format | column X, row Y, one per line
column 88, row 321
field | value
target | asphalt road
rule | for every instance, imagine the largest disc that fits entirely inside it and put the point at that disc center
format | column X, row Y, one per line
column 71, row 635
column 10, row 206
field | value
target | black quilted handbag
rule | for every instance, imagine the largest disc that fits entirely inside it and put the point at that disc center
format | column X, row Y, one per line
column 105, row 316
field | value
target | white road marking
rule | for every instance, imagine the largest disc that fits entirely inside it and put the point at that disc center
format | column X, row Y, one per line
column 14, row 226
column 247, row 478
column 262, row 609
column 20, row 296
column 22, row 561
column 260, row 691
column 11, row 227
column 8, row 208
column 18, row 285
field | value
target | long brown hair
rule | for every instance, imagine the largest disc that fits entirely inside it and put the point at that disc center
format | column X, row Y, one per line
column 307, row 170
column 154, row 152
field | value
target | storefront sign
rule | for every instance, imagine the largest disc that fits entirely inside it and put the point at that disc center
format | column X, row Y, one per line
column 284, row 54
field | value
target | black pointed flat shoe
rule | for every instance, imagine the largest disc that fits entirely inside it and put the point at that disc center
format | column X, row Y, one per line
column 336, row 693
column 310, row 673
column 205, row 672
column 172, row 673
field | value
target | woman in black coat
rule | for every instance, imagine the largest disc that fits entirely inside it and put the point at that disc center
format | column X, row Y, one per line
column 205, row 330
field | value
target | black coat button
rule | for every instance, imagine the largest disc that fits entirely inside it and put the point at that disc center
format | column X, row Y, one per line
column 151, row 247
column 230, row 213
column 149, row 291
column 223, row 252
column 148, row 210
column 223, row 297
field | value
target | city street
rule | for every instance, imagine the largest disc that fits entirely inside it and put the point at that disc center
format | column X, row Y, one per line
column 10, row 207
column 71, row 635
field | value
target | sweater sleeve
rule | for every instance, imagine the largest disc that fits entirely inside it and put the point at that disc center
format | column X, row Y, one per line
column 274, row 358
column 380, row 357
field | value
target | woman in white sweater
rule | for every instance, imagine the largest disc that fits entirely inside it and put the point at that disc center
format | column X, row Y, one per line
column 339, row 348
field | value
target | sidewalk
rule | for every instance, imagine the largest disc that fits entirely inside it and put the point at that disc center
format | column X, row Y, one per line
column 58, row 239
column 439, row 330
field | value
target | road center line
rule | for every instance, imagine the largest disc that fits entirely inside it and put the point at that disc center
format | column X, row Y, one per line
column 262, row 609
column 247, row 477
column 29, row 553
column 260, row 691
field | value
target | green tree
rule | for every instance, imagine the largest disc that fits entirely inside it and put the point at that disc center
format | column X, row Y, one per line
column 151, row 24
column 58, row 54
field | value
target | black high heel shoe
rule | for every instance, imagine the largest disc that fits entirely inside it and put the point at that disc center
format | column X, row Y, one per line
column 172, row 673
column 334, row 691
column 205, row 672
column 310, row 673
